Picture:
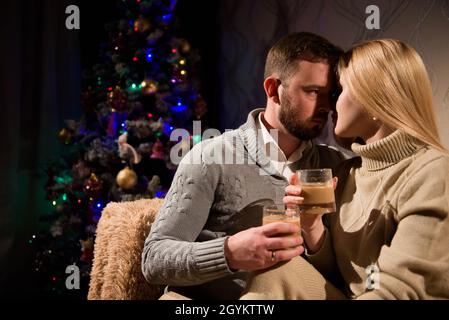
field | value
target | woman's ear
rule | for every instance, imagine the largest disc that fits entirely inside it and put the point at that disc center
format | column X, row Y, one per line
column 271, row 85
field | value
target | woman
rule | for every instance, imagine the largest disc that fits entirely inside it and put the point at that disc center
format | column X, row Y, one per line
column 390, row 236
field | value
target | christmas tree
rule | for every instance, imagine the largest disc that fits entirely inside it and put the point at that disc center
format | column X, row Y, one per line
column 143, row 88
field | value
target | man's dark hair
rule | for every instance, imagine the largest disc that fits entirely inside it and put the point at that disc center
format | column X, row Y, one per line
column 285, row 53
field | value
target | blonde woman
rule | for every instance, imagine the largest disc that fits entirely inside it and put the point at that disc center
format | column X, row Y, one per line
column 390, row 236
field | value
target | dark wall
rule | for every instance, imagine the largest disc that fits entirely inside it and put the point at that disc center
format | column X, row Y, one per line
column 39, row 87
column 198, row 20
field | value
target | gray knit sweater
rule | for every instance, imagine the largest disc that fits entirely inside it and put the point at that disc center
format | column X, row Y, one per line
column 209, row 201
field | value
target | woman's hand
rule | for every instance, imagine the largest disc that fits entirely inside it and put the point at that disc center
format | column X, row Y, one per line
column 313, row 230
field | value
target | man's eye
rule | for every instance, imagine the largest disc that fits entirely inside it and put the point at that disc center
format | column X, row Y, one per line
column 314, row 92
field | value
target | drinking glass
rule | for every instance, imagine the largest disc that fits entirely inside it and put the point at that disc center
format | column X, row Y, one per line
column 317, row 191
column 282, row 213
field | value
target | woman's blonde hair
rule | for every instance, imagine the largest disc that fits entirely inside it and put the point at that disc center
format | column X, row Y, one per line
column 389, row 79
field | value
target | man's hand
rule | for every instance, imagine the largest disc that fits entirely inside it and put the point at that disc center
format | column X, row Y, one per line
column 262, row 247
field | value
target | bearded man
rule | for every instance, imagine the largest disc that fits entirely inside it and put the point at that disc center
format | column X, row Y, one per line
column 207, row 236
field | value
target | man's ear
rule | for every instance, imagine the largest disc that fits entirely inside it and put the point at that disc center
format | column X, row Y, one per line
column 271, row 85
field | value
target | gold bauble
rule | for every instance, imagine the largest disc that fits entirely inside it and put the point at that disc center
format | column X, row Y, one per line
column 149, row 87
column 65, row 135
column 93, row 186
column 126, row 178
column 185, row 46
column 142, row 25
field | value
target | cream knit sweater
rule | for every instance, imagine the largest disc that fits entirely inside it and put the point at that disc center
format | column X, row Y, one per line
column 390, row 238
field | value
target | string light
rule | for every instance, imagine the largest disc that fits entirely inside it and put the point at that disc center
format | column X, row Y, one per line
column 135, row 59
column 196, row 138
column 183, row 72
column 182, row 62
column 54, row 202
column 174, row 50
column 64, row 197
column 143, row 84
column 179, row 107
column 149, row 55
column 167, row 17
column 150, row 115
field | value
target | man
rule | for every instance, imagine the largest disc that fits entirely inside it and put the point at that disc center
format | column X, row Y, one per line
column 207, row 236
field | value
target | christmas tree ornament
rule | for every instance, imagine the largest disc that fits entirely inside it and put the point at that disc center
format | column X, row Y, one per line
column 92, row 186
column 158, row 151
column 185, row 46
column 126, row 150
column 149, row 87
column 65, row 135
column 157, row 125
column 142, row 24
column 126, row 179
column 117, row 99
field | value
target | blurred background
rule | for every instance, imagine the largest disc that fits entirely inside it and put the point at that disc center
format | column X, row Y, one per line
column 44, row 82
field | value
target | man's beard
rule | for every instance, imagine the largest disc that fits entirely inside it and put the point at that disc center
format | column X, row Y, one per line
column 297, row 128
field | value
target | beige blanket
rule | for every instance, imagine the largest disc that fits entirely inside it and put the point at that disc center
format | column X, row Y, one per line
column 121, row 232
